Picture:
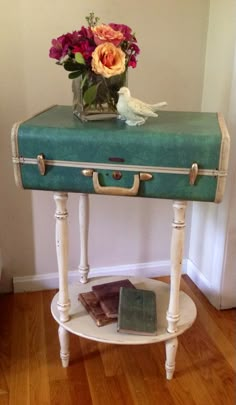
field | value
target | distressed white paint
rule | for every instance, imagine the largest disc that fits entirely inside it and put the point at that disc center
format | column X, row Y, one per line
column 177, row 245
column 84, row 228
column 62, row 254
column 64, row 340
column 171, row 349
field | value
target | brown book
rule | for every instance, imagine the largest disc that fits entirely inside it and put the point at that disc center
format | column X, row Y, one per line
column 92, row 305
column 108, row 296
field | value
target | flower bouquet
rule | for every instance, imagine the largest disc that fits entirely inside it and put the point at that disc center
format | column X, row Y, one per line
column 97, row 57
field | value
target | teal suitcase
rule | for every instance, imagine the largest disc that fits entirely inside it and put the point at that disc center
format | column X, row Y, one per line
column 179, row 155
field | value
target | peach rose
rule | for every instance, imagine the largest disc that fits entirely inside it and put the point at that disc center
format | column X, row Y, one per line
column 107, row 60
column 104, row 33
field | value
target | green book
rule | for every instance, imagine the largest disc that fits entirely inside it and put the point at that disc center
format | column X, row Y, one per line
column 137, row 312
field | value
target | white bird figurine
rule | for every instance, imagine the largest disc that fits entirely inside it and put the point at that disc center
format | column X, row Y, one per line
column 134, row 111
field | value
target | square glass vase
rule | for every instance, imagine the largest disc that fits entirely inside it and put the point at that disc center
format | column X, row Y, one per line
column 95, row 97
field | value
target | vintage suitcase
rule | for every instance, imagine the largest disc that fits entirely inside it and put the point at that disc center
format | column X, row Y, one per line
column 179, row 155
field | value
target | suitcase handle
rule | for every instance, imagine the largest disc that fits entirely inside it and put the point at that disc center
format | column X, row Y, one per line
column 116, row 190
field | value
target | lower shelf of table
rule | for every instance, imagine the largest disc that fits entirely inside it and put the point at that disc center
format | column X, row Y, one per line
column 82, row 324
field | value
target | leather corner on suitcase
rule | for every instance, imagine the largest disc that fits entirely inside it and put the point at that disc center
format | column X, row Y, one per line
column 224, row 158
column 15, row 155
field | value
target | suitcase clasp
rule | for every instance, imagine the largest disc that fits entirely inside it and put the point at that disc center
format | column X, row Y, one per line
column 41, row 164
column 193, row 174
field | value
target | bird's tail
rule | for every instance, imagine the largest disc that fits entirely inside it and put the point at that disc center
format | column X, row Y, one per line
column 157, row 106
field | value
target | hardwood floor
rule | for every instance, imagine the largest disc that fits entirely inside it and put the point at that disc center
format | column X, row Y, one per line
column 102, row 374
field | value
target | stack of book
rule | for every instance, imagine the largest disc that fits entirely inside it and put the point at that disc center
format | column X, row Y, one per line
column 102, row 303
column 133, row 309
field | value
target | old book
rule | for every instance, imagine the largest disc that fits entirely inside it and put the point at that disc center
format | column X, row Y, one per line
column 108, row 295
column 137, row 312
column 92, row 305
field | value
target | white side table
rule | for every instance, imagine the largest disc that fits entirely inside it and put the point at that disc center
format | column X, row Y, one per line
column 176, row 311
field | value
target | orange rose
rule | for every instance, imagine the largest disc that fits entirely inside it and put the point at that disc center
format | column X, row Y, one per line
column 104, row 33
column 107, row 60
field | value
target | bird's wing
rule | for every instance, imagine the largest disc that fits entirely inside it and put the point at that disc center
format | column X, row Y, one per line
column 140, row 108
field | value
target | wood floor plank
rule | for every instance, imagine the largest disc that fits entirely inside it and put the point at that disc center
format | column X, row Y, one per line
column 55, row 371
column 225, row 319
column 100, row 388
column 180, row 390
column 4, row 398
column 102, row 374
column 226, row 348
column 6, row 314
column 135, row 374
column 110, row 355
column 38, row 371
column 119, row 386
column 76, row 374
column 74, row 377
column 153, row 370
column 60, row 392
column 218, row 376
column 19, row 386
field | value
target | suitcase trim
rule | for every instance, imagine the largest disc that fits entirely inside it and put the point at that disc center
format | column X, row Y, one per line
column 224, row 158
column 15, row 154
column 131, row 168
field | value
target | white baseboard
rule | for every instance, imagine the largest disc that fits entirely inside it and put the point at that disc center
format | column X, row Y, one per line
column 198, row 278
column 50, row 281
column 150, row 269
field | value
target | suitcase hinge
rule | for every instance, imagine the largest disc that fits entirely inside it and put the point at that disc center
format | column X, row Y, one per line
column 87, row 172
column 193, row 174
column 145, row 176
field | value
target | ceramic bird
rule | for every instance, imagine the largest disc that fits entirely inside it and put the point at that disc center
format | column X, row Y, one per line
column 134, row 111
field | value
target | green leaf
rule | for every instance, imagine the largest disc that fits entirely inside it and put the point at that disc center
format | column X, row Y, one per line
column 83, row 80
column 90, row 94
column 74, row 75
column 71, row 66
column 79, row 58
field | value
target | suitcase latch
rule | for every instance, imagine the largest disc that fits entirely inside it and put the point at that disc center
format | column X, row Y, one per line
column 193, row 174
column 41, row 164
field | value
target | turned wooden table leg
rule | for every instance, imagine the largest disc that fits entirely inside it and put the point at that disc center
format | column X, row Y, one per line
column 173, row 314
column 63, row 335
column 177, row 246
column 171, row 349
column 63, row 303
column 83, row 226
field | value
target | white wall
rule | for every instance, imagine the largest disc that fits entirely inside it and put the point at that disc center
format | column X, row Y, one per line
column 213, row 227
column 172, row 37
column 228, row 282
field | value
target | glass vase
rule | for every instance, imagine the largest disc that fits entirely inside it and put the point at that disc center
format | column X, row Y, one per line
column 95, row 97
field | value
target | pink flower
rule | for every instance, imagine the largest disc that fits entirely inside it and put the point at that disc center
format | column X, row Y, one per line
column 132, row 62
column 104, row 33
column 126, row 31
column 62, row 45
column 85, row 48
